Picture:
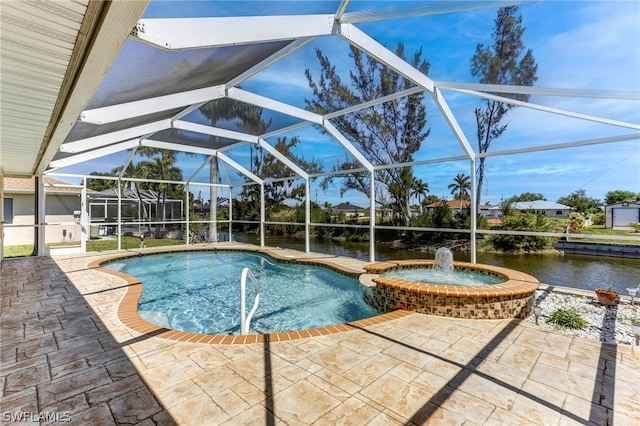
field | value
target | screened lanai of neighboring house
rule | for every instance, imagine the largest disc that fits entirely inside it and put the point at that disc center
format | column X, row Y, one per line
column 138, row 207
column 136, row 76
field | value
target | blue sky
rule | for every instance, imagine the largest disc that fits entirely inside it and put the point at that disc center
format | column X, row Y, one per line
column 576, row 44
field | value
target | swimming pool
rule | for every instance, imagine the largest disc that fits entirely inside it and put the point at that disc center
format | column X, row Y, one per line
column 199, row 292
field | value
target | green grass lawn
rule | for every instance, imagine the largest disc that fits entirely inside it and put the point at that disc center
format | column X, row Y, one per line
column 94, row 245
column 130, row 243
column 560, row 225
column 601, row 230
column 18, row 251
column 134, row 242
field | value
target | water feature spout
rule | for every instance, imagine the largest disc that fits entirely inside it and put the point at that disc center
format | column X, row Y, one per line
column 443, row 260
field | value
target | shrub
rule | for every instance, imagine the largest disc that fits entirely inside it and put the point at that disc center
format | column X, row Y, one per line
column 521, row 243
column 598, row 219
column 567, row 319
column 579, row 220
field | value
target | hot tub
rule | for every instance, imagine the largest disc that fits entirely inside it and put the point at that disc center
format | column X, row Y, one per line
column 513, row 297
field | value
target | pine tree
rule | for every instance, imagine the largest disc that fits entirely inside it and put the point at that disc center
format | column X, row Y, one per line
column 268, row 167
column 507, row 63
column 386, row 133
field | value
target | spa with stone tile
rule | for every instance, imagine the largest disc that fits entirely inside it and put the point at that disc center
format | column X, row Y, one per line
column 513, row 297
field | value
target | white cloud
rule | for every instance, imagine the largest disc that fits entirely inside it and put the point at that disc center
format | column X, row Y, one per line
column 602, row 52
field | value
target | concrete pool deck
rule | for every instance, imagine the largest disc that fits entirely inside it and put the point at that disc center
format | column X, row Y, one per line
column 66, row 353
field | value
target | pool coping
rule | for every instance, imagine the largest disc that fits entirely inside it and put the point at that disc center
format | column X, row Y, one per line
column 128, row 306
column 517, row 283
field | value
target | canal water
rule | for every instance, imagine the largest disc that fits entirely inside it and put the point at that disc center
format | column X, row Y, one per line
column 567, row 270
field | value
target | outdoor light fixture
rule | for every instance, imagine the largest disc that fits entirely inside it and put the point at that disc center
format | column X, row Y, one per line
column 537, row 311
column 632, row 292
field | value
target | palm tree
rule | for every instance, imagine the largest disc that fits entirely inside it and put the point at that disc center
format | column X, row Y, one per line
column 460, row 187
column 419, row 190
column 138, row 170
column 162, row 168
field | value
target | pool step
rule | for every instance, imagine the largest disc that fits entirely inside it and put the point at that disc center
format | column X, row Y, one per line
column 155, row 317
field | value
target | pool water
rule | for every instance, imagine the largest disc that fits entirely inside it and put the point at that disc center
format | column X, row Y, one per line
column 199, row 292
column 437, row 276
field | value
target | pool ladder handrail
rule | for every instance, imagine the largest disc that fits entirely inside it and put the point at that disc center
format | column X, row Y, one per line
column 246, row 322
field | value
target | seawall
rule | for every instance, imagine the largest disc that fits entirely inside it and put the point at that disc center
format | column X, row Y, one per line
column 599, row 249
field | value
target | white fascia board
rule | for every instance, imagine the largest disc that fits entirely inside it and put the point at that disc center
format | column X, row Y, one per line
column 329, row 127
column 96, row 153
column 177, row 147
column 551, row 110
column 282, row 158
column 374, row 49
column 453, row 123
column 542, row 91
column 239, row 168
column 261, row 101
column 214, row 131
column 193, row 33
column 109, row 138
column 142, row 107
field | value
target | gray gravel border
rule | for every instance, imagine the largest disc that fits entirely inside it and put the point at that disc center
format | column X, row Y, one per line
column 612, row 324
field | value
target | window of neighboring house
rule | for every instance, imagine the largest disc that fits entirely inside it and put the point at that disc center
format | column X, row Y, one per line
column 558, row 212
column 8, row 210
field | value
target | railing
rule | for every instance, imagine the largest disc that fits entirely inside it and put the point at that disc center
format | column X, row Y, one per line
column 246, row 322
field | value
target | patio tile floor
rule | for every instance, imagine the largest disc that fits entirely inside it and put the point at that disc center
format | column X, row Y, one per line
column 65, row 353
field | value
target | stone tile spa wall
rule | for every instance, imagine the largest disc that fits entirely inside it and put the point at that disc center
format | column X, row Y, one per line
column 513, row 298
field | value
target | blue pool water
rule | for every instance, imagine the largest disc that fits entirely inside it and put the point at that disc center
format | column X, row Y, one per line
column 436, row 276
column 200, row 292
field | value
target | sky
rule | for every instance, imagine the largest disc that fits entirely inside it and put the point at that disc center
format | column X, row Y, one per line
column 576, row 44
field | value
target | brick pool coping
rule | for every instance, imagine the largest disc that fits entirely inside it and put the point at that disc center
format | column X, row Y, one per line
column 512, row 298
column 517, row 283
column 128, row 307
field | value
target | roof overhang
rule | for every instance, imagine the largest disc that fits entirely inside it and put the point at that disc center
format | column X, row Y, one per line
column 54, row 56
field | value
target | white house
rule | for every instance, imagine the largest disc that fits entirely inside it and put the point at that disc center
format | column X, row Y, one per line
column 543, row 208
column 350, row 211
column 62, row 211
column 539, row 207
column 454, row 205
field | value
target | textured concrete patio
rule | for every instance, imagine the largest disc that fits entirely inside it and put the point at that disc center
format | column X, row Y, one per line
column 65, row 353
